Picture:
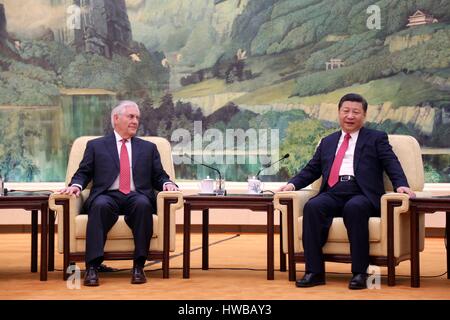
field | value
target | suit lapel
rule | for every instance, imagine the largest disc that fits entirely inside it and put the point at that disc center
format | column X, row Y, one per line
column 134, row 152
column 330, row 152
column 358, row 148
column 111, row 146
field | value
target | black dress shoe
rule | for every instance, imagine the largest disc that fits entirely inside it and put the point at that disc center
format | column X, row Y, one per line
column 91, row 277
column 311, row 280
column 138, row 275
column 358, row 281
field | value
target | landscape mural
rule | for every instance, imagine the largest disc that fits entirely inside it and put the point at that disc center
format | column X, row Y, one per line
column 266, row 65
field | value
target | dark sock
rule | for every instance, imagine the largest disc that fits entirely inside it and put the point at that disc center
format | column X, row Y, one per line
column 139, row 262
column 94, row 263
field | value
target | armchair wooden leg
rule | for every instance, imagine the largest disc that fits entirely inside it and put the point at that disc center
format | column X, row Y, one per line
column 292, row 271
column 390, row 241
column 65, row 267
column 166, row 240
column 66, row 235
column 391, row 274
column 165, row 266
column 290, row 234
column 282, row 255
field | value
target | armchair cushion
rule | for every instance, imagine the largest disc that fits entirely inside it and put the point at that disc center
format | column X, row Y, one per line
column 338, row 232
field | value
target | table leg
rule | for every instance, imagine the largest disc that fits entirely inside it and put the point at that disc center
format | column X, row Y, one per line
column 270, row 246
column 415, row 263
column 186, row 240
column 390, row 242
column 205, row 239
column 447, row 237
column 51, row 240
column 282, row 255
column 44, row 222
column 34, row 240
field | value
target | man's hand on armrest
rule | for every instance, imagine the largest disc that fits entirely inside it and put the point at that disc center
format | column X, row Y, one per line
column 287, row 187
column 72, row 190
column 406, row 190
column 169, row 186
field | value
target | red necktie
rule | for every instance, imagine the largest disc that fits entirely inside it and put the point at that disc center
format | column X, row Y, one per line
column 124, row 176
column 334, row 173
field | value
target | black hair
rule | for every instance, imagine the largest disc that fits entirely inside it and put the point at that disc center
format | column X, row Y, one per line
column 354, row 97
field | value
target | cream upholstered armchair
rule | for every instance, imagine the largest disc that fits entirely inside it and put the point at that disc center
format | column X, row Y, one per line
column 72, row 221
column 389, row 238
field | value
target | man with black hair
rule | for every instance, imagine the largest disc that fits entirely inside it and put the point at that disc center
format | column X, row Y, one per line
column 351, row 163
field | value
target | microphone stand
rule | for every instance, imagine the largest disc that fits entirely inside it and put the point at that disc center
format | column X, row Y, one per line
column 271, row 164
column 220, row 192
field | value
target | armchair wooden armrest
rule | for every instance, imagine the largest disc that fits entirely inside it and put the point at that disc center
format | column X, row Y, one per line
column 298, row 200
column 167, row 203
column 75, row 207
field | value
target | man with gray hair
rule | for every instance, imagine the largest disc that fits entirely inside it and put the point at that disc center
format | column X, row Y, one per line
column 124, row 171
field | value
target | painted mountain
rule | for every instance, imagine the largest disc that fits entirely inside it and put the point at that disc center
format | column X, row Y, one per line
column 275, row 56
column 234, row 64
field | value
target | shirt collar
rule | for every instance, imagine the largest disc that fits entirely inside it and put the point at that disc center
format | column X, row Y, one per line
column 118, row 137
column 354, row 135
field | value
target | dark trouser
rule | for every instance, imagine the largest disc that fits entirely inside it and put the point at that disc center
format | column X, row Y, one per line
column 103, row 214
column 345, row 199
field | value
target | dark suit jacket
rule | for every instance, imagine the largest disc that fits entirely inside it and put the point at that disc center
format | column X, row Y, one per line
column 373, row 155
column 101, row 165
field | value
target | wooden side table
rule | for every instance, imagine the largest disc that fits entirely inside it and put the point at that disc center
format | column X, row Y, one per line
column 36, row 202
column 204, row 203
column 425, row 205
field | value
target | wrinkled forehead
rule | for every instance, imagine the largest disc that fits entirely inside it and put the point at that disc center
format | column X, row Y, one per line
column 130, row 110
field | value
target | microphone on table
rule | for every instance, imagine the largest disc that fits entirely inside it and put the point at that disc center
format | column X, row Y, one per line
column 220, row 191
column 267, row 166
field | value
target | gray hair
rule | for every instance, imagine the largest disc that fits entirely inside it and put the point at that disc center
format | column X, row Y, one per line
column 122, row 106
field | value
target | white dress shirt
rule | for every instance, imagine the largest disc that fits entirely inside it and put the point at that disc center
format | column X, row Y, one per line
column 347, row 162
